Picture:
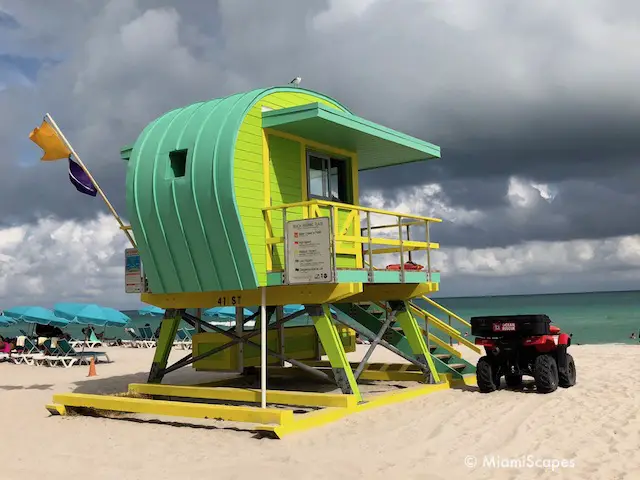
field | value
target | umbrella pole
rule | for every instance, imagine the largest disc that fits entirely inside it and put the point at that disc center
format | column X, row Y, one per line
column 263, row 348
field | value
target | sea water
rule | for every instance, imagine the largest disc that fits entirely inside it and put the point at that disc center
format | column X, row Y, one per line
column 601, row 317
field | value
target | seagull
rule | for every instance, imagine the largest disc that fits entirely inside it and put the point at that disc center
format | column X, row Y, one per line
column 296, row 81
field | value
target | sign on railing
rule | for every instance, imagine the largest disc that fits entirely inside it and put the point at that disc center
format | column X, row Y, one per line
column 308, row 251
column 133, row 282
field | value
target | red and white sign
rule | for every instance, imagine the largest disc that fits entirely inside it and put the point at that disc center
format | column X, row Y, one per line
column 504, row 327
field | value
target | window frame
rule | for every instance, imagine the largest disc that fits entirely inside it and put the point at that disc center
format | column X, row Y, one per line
column 344, row 182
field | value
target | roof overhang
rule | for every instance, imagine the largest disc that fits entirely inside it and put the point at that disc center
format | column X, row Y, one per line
column 376, row 146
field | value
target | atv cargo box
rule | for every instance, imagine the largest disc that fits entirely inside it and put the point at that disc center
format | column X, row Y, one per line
column 510, row 325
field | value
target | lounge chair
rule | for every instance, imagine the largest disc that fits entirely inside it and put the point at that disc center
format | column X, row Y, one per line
column 92, row 342
column 183, row 339
column 68, row 350
column 147, row 336
column 54, row 355
column 29, row 353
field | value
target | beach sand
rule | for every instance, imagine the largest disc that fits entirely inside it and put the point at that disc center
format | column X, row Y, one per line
column 594, row 427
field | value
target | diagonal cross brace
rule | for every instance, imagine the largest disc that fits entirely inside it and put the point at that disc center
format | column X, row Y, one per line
column 385, row 344
column 374, row 344
column 189, row 358
column 190, row 318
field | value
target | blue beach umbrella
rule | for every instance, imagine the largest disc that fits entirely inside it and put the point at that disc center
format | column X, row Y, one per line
column 6, row 321
column 39, row 315
column 151, row 310
column 91, row 314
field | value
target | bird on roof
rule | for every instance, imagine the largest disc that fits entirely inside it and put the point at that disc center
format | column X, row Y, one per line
column 296, row 81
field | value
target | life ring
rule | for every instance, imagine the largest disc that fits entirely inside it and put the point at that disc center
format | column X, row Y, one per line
column 407, row 266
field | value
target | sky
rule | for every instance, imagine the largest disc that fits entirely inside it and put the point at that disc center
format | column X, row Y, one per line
column 534, row 104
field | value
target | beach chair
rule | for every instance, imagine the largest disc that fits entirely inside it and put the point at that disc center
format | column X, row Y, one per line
column 54, row 355
column 147, row 337
column 29, row 353
column 92, row 342
column 183, row 339
column 67, row 349
column 134, row 341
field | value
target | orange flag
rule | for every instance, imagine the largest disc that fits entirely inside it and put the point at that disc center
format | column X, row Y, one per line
column 48, row 140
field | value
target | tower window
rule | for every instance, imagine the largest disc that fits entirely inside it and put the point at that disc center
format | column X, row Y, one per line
column 178, row 160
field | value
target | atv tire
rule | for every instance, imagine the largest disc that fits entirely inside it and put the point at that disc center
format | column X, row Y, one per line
column 545, row 372
column 567, row 377
column 486, row 376
column 513, row 380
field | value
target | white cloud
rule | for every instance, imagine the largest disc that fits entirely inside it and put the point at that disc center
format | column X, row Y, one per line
column 480, row 67
column 526, row 194
column 55, row 260
column 542, row 259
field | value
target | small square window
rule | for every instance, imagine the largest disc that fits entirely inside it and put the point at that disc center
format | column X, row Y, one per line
column 178, row 160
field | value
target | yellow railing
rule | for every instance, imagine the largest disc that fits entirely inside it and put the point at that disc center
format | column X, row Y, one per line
column 447, row 329
column 348, row 236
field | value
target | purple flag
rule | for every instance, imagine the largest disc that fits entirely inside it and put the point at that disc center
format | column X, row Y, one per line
column 80, row 179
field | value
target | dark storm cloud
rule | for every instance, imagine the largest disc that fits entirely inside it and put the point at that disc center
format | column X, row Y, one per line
column 505, row 90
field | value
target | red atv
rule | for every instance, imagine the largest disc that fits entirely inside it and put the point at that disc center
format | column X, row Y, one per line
column 518, row 345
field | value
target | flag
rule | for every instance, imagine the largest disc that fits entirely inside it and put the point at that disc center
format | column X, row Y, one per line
column 80, row 179
column 48, row 140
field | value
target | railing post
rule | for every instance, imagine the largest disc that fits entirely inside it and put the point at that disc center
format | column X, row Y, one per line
column 401, row 249
column 332, row 227
column 369, row 252
column 426, row 329
column 450, row 339
column 428, row 249
column 285, row 276
column 408, row 240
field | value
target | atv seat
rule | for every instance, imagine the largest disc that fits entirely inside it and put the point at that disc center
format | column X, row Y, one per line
column 553, row 330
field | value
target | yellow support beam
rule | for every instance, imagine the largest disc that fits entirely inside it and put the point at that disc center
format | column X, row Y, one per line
column 175, row 409
column 249, row 395
column 388, row 250
column 328, row 415
column 275, row 422
column 276, row 295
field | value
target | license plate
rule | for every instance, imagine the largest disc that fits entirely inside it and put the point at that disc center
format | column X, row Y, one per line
column 504, row 327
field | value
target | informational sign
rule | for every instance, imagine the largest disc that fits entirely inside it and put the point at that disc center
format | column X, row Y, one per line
column 308, row 251
column 133, row 282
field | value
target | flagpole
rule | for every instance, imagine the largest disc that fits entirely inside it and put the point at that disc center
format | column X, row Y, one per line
column 124, row 228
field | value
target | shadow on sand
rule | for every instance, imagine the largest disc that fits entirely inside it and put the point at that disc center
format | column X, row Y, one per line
column 24, row 387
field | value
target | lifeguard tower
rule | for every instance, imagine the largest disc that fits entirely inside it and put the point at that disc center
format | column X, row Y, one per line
column 252, row 201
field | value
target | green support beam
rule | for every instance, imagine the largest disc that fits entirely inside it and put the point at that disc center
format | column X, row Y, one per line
column 168, row 331
column 332, row 345
column 412, row 331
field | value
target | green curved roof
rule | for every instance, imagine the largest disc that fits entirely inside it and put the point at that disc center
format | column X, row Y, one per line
column 188, row 229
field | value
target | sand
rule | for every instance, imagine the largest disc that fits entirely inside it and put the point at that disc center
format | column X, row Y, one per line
column 593, row 427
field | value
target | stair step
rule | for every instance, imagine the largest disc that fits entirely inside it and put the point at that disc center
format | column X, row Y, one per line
column 457, row 366
column 442, row 356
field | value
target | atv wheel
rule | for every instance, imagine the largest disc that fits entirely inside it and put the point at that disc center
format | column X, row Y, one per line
column 486, row 376
column 513, row 380
column 545, row 370
column 567, row 378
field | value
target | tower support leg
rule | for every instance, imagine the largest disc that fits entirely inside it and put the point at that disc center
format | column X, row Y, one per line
column 330, row 339
column 411, row 329
column 168, row 330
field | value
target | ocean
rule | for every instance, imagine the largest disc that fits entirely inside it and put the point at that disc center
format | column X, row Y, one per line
column 599, row 317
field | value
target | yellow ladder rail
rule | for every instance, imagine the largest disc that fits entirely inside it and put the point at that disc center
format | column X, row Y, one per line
column 446, row 310
column 448, row 329
column 443, row 327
